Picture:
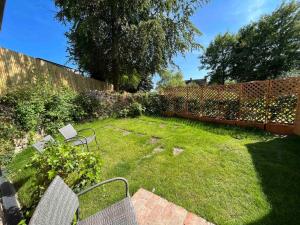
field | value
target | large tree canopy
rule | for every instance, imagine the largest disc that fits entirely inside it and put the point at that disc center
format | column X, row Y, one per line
column 217, row 58
column 169, row 78
column 112, row 38
column 265, row 49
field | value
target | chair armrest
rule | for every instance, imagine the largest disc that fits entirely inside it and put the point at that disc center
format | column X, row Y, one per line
column 105, row 182
column 87, row 129
column 100, row 184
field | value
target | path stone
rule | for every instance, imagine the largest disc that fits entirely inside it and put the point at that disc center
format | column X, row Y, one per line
column 162, row 125
column 140, row 134
column 147, row 156
column 154, row 140
column 193, row 219
column 158, row 150
column 177, row 151
column 126, row 132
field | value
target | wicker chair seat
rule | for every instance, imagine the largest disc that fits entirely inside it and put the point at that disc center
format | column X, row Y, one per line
column 121, row 213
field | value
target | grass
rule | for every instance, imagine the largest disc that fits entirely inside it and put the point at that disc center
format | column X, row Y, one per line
column 225, row 174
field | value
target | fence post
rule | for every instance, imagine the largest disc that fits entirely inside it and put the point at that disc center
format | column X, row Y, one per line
column 240, row 97
column 186, row 100
column 297, row 117
column 267, row 103
column 202, row 101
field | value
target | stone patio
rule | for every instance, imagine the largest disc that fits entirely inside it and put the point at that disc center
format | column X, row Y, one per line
column 154, row 210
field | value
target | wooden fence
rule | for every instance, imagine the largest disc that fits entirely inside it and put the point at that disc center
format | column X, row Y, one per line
column 18, row 69
column 272, row 105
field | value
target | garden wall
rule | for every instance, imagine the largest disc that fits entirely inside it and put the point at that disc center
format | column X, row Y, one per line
column 17, row 69
column 272, row 105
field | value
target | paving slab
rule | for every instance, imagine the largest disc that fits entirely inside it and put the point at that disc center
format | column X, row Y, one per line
column 151, row 209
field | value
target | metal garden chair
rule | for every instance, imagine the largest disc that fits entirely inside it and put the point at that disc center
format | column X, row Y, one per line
column 40, row 145
column 59, row 205
column 73, row 136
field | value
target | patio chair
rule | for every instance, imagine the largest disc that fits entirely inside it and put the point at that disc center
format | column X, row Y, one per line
column 59, row 205
column 71, row 135
column 40, row 145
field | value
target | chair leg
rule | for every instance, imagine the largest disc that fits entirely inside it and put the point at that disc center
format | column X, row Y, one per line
column 87, row 146
column 96, row 142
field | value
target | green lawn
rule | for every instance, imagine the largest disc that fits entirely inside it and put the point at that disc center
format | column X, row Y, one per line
column 225, row 174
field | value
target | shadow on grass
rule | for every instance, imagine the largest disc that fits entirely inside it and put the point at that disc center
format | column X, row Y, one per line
column 220, row 129
column 277, row 163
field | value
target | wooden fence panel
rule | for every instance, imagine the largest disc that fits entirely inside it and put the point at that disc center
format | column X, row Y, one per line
column 17, row 69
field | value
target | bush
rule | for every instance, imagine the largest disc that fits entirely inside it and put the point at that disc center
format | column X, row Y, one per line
column 151, row 102
column 77, row 167
column 134, row 110
column 179, row 104
column 59, row 109
column 194, row 106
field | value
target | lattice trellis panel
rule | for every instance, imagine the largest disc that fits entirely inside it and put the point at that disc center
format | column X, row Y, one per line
column 167, row 103
column 254, row 101
column 283, row 96
column 194, row 101
column 259, row 101
column 179, row 99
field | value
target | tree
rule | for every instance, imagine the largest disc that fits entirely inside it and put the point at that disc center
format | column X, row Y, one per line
column 113, row 38
column 266, row 49
column 145, row 84
column 217, row 58
column 270, row 47
column 170, row 79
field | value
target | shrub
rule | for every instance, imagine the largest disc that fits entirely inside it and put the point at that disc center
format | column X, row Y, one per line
column 151, row 102
column 59, row 109
column 194, row 106
column 77, row 167
column 179, row 104
column 123, row 113
column 136, row 109
column 133, row 110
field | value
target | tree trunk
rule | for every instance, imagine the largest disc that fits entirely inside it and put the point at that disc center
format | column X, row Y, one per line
column 114, row 42
column 116, row 75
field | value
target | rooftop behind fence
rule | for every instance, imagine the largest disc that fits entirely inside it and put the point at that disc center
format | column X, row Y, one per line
column 272, row 105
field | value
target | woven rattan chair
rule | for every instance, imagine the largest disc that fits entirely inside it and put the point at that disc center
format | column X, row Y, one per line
column 73, row 136
column 59, row 205
column 40, row 145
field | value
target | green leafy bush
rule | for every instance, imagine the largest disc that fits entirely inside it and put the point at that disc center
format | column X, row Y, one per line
column 123, row 113
column 91, row 105
column 78, row 167
column 194, row 106
column 136, row 109
column 59, row 109
column 133, row 110
column 151, row 102
column 179, row 104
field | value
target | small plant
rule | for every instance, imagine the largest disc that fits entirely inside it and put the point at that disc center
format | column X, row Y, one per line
column 123, row 113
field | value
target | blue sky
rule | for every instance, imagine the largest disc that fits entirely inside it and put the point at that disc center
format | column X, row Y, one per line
column 30, row 27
